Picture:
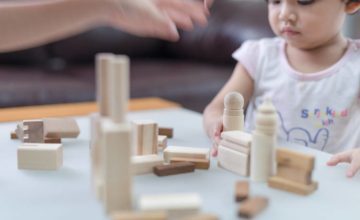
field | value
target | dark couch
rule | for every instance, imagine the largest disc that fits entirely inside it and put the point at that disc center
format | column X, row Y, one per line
column 190, row 71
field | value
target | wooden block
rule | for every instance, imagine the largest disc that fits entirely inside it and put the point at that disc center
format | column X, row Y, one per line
column 119, row 89
column 233, row 161
column 174, row 168
column 40, row 156
column 162, row 142
column 235, row 147
column 104, row 68
column 201, row 216
column 176, row 205
column 52, row 140
column 13, row 135
column 139, row 216
column 168, row 132
column 291, row 186
column 241, row 191
column 61, row 128
column 238, row 137
column 117, row 141
column 33, row 131
column 185, row 152
column 294, row 174
column 253, row 206
column 291, row 158
column 145, row 164
column 146, row 137
column 202, row 164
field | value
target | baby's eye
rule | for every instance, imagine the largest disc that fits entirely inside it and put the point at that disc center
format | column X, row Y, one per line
column 305, row 2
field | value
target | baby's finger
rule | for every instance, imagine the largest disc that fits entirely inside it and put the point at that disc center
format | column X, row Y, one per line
column 214, row 150
column 355, row 164
column 344, row 157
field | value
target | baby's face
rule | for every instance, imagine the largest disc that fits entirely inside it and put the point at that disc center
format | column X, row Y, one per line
column 307, row 24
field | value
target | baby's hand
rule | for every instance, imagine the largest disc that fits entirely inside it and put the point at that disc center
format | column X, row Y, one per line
column 350, row 156
column 216, row 136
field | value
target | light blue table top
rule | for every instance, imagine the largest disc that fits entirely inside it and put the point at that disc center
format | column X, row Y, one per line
column 67, row 193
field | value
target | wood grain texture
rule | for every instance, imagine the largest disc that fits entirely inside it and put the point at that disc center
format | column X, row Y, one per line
column 174, row 168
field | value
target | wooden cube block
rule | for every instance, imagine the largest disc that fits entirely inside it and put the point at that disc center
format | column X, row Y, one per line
column 144, row 164
column 238, row 137
column 294, row 174
column 40, row 156
column 253, row 206
column 146, row 137
column 241, row 191
column 61, row 128
column 139, row 216
column 233, row 161
column 291, row 186
column 162, row 142
column 176, row 205
column 203, row 164
column 173, row 169
column 291, row 158
column 185, row 152
column 168, row 132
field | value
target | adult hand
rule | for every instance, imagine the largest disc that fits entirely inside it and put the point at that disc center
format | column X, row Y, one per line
column 350, row 156
column 158, row 18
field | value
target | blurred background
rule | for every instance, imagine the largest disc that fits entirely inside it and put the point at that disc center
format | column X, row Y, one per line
column 190, row 71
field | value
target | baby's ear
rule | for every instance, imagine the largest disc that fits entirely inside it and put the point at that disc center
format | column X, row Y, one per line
column 352, row 7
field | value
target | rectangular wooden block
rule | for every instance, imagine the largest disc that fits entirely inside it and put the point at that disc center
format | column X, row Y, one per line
column 168, row 132
column 294, row 174
column 144, row 164
column 238, row 137
column 233, row 161
column 61, row 128
column 291, row 158
column 146, row 137
column 52, row 140
column 40, row 156
column 139, row 216
column 235, row 147
column 203, row 164
column 162, row 142
column 291, row 186
column 241, row 190
column 185, row 152
column 253, row 206
column 117, row 174
column 33, row 131
column 176, row 205
column 174, row 168
column 202, row 216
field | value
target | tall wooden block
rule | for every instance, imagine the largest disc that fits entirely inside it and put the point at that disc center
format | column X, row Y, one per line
column 117, row 172
column 119, row 89
column 104, row 67
column 146, row 137
column 40, row 156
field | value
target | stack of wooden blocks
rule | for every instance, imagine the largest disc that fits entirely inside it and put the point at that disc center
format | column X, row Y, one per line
column 294, row 172
column 42, row 148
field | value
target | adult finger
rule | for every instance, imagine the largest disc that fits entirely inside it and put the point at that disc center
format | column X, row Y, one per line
column 355, row 164
column 344, row 157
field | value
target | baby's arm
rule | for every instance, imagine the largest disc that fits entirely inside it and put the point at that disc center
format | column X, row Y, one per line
column 241, row 82
column 351, row 156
